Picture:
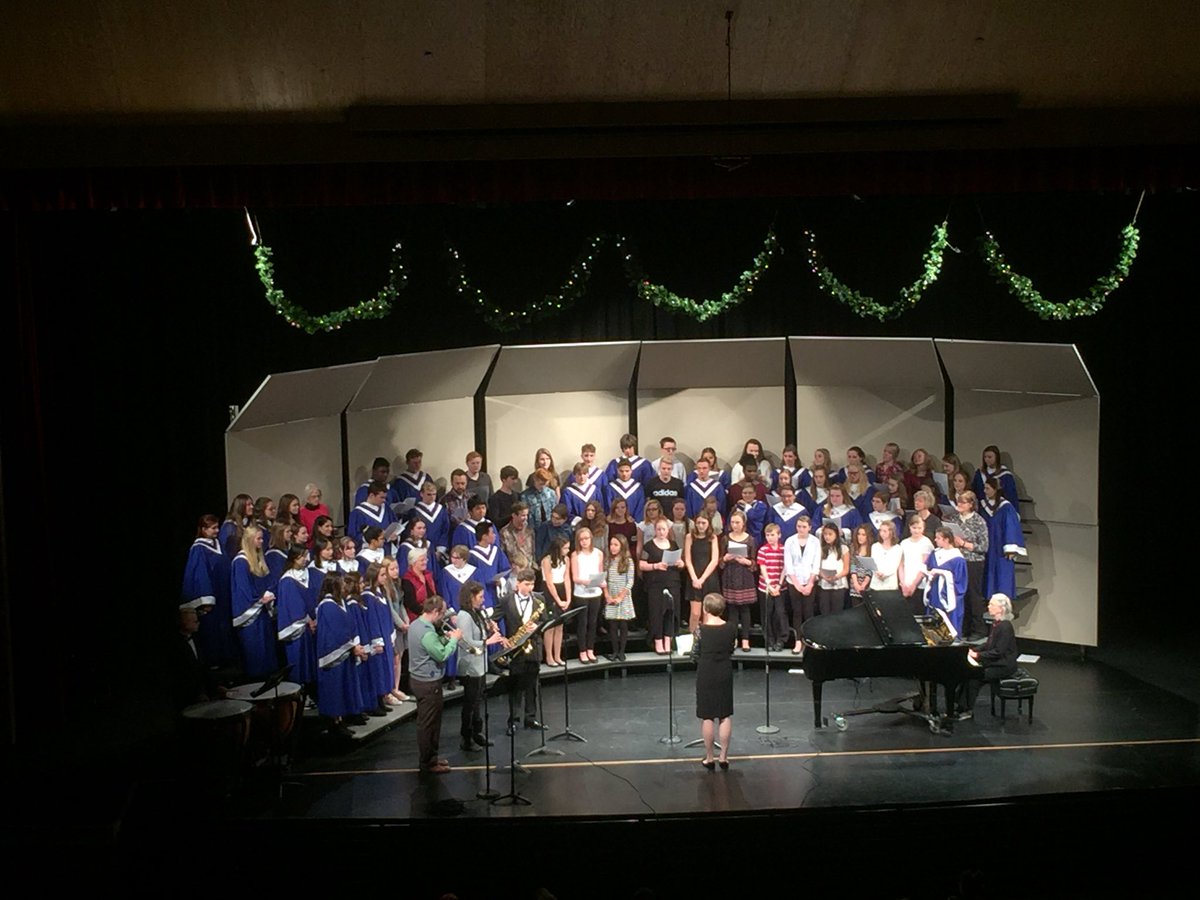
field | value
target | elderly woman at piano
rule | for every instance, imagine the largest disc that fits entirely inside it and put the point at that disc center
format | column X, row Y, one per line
column 997, row 658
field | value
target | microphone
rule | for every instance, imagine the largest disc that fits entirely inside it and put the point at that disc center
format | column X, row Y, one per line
column 667, row 593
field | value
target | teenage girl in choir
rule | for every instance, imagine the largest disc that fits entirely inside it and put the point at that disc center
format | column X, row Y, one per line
column 338, row 694
column 544, row 461
column 388, row 585
column 822, row 458
column 817, row 489
column 372, row 549
column 711, row 509
column 276, row 556
column 313, row 508
column 375, row 682
column 383, row 631
column 899, row 501
column 738, row 584
column 701, row 556
column 594, row 520
column 991, row 467
column 659, row 577
column 303, row 538
column 618, row 595
column 540, row 498
column 919, row 473
column 858, row 490
column 241, row 512
column 914, row 550
column 752, row 447
column 295, row 621
column 206, row 586
column 556, row 581
column 252, row 598
column 1005, row 541
column 651, row 513
column 288, row 509
column 679, row 521
column 322, row 527
column 790, row 463
column 264, row 513
column 839, row 508
column 347, row 560
column 860, row 578
column 586, row 562
column 887, row 555
column 832, row 575
column 889, row 463
column 620, row 523
column 324, row 555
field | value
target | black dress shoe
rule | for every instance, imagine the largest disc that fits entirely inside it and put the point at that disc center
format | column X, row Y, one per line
column 535, row 725
column 469, row 746
column 483, row 742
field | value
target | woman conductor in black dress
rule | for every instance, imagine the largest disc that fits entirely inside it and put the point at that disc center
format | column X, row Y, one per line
column 714, row 679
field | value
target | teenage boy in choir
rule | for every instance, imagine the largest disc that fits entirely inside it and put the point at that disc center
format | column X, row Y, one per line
column 854, row 456
column 946, row 589
column 787, row 512
column 801, row 560
column 593, row 474
column 755, row 511
column 464, row 533
column 489, row 561
column 625, row 485
column 704, row 486
column 752, row 476
column 880, row 513
column 373, row 511
column 408, row 483
column 381, row 470
column 436, row 518
column 668, row 446
column 557, row 526
column 455, row 499
column 516, row 610
column 665, row 487
column 499, row 508
column 372, row 549
column 641, row 468
column 479, row 482
column 579, row 492
column 516, row 538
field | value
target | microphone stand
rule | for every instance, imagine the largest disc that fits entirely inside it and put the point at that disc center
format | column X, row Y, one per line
column 566, row 733
column 543, row 750
column 769, row 728
column 488, row 792
column 671, row 736
column 512, row 798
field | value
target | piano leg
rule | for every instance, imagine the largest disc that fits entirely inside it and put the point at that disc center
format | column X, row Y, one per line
column 816, row 688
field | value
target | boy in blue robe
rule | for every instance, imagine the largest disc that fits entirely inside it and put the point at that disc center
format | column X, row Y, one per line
column 579, row 492
column 639, row 467
column 436, row 518
column 592, row 474
column 409, row 483
column 704, row 486
column 754, row 510
column 373, row 512
column 489, row 561
column 465, row 531
column 381, row 470
column 785, row 512
column 627, row 487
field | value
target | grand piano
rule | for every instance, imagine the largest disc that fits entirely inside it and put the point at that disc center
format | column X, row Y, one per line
column 882, row 638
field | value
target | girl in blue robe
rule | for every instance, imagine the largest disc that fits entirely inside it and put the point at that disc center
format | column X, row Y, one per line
column 990, row 467
column 382, row 629
column 241, row 514
column 946, row 590
column 252, row 599
column 338, row 648
column 371, row 689
column 1005, row 541
column 295, row 622
column 206, row 589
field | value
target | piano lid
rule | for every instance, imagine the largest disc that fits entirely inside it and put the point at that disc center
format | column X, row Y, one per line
column 880, row 622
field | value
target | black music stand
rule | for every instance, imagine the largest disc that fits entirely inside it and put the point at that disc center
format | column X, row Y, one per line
column 566, row 733
column 512, row 798
column 543, row 750
column 488, row 792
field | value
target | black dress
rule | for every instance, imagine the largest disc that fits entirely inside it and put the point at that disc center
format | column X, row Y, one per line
column 714, row 671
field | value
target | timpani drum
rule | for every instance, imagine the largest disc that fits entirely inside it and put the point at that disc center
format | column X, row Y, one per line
column 276, row 713
column 219, row 729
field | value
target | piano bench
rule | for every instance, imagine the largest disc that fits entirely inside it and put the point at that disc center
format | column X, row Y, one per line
column 1019, row 686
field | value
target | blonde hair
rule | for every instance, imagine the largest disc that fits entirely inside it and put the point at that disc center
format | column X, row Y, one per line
column 254, row 554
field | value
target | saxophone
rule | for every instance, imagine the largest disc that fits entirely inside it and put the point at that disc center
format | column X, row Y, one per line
column 519, row 643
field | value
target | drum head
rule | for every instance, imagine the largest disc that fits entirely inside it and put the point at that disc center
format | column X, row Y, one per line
column 287, row 690
column 217, row 709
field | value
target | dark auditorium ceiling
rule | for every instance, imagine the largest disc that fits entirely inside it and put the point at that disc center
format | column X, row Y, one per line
column 222, row 81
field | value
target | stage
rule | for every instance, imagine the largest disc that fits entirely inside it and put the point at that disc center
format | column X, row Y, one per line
column 1110, row 756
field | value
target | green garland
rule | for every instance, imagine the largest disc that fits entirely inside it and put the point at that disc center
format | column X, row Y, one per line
column 375, row 308
column 1089, row 304
column 572, row 290
column 702, row 310
column 867, row 307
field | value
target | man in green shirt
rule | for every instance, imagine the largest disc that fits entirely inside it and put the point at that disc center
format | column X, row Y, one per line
column 428, row 650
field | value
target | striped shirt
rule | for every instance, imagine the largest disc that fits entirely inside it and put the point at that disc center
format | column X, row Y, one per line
column 770, row 565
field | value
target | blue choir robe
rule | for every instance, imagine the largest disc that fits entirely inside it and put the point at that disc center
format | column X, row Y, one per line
column 946, row 591
column 640, row 469
column 719, row 474
column 863, row 501
column 878, row 518
column 382, row 632
column 1008, row 484
column 576, row 497
column 756, row 514
column 362, row 667
column 276, row 561
column 801, row 477
column 595, row 478
column 488, row 563
column 252, row 620
column 785, row 518
column 631, row 492
column 697, row 492
column 366, row 556
column 207, row 589
column 338, row 688
column 229, row 541
column 365, row 515
column 297, row 606
column 407, row 485
column 437, row 525
column 846, row 516
column 433, row 565
column 451, row 580
column 839, row 476
column 464, row 532
column 348, row 566
column 1004, row 537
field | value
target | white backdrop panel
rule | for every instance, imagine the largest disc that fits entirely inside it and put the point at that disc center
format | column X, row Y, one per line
column 281, row 459
column 443, row 430
column 518, row 424
column 1063, row 558
column 718, row 417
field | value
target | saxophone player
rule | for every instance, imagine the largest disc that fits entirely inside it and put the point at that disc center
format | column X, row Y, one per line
column 518, row 609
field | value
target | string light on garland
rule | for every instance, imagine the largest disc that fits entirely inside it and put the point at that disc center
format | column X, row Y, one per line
column 572, row 290
column 868, row 307
column 375, row 308
column 1089, row 304
column 700, row 310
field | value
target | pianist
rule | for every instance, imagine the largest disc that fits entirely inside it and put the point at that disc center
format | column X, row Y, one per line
column 997, row 658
